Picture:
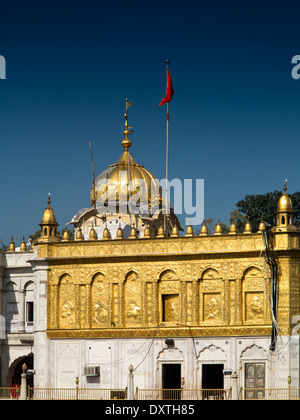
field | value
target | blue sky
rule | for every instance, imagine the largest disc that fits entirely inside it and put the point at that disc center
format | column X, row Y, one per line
column 234, row 118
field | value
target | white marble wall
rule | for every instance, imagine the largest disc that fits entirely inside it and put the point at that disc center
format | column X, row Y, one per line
column 69, row 356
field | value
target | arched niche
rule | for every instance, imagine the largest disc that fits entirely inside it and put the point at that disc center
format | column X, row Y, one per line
column 170, row 297
column 100, row 300
column 255, row 308
column 66, row 302
column 211, row 297
column 132, row 299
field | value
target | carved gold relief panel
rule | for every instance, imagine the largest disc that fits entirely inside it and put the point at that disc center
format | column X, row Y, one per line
column 99, row 301
column 66, row 300
column 255, row 310
column 132, row 300
column 211, row 298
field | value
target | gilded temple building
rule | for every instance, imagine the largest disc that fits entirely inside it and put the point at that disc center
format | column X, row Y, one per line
column 131, row 288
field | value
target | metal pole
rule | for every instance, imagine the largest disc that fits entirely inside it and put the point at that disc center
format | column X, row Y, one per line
column 167, row 157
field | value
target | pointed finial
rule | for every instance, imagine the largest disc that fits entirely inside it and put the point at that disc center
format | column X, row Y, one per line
column 126, row 142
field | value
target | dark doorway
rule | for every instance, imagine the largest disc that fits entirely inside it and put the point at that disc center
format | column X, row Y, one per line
column 16, row 379
column 212, row 379
column 171, row 381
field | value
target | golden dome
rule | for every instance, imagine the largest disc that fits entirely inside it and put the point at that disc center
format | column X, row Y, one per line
column 48, row 216
column 284, row 202
column 127, row 180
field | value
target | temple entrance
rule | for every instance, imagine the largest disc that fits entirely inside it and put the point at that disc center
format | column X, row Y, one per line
column 212, row 379
column 15, row 371
column 171, row 381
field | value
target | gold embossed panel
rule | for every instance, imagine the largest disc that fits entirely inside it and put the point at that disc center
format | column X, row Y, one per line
column 211, row 298
column 132, row 300
column 254, row 307
column 100, row 301
column 171, row 308
column 66, row 302
column 212, row 307
column 254, row 299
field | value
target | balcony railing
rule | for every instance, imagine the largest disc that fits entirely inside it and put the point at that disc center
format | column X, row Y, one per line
column 270, row 393
column 183, row 394
column 8, row 393
column 76, row 394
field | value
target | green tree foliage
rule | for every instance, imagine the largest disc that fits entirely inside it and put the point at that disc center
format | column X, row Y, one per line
column 263, row 207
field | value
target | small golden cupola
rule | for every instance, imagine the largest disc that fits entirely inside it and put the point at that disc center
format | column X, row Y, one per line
column 49, row 225
column 285, row 214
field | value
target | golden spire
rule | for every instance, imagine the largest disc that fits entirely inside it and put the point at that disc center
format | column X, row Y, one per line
column 147, row 232
column 247, row 228
column 218, row 229
column 79, row 236
column 12, row 246
column 204, row 230
column 175, row 232
column 66, row 235
column 106, row 234
column 119, row 233
column 233, row 229
column 261, row 226
column 23, row 247
column 160, row 233
column 126, row 142
column 189, row 231
column 92, row 235
column 133, row 233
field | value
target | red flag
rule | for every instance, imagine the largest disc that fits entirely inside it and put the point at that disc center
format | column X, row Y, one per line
column 170, row 91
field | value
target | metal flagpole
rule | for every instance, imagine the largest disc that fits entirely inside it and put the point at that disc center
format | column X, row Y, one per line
column 167, row 158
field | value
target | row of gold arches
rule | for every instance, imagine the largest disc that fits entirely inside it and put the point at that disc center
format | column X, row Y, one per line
column 104, row 302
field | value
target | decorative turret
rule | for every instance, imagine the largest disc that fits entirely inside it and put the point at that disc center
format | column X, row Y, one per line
column 285, row 213
column 48, row 225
